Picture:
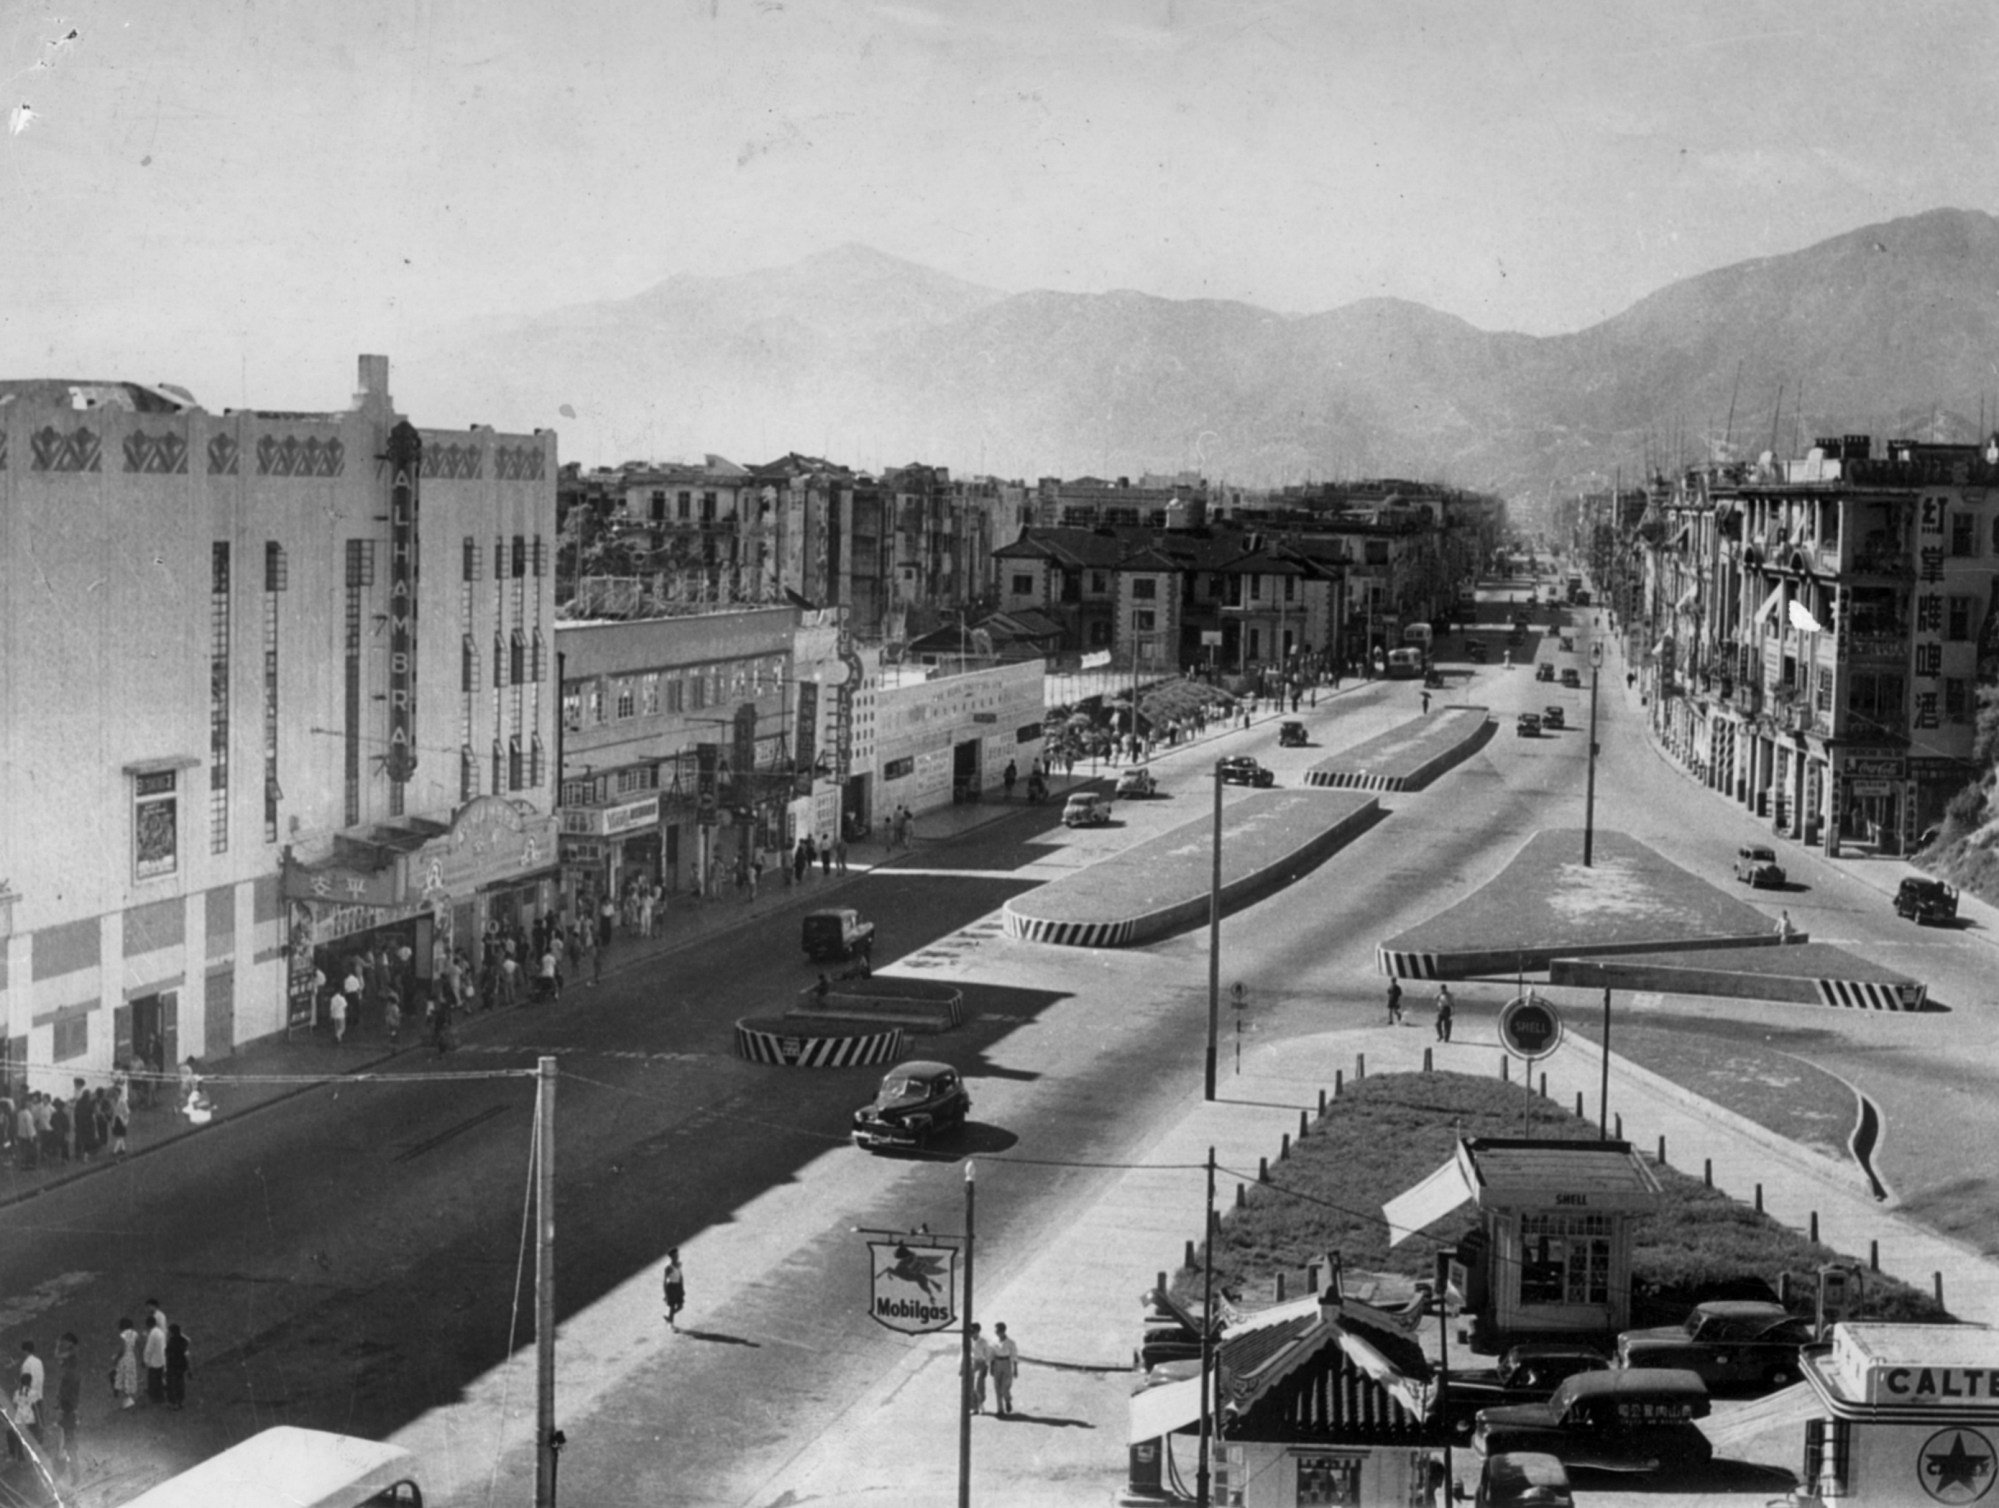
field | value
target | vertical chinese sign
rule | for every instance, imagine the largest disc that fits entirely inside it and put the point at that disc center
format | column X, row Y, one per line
column 405, row 462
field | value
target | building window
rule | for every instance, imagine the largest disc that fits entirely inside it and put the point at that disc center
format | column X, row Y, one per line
column 1145, row 588
column 277, row 569
column 218, row 699
column 1023, row 586
column 1144, row 622
column 155, row 824
column 499, row 767
column 360, row 562
column 1963, row 533
column 538, row 559
column 517, row 658
column 468, row 773
column 1098, row 584
column 1959, row 627
column 572, row 709
column 537, row 763
column 1956, row 699
column 499, row 556
column 676, row 695
column 626, row 706
column 520, row 555
column 684, row 506
column 499, row 660
column 468, row 664
column 515, row 769
column 1565, row 1259
column 1290, row 588
column 1329, row 1481
column 72, row 1037
column 576, row 792
column 540, row 657
column 699, row 686
column 658, row 501
column 649, row 693
column 471, row 566
column 596, row 699
column 643, row 777
column 707, row 507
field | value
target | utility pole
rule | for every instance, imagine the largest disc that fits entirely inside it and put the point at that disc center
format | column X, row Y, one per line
column 548, row 1440
column 965, row 1354
column 1215, row 938
column 1589, row 794
column 1603, row 1090
column 1201, row 1470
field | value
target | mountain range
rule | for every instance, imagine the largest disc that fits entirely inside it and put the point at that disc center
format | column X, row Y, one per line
column 874, row 361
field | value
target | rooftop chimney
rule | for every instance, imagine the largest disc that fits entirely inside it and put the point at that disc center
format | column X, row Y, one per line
column 374, row 381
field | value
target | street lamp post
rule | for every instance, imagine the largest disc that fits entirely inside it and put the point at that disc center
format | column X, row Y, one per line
column 1215, row 938
column 1589, row 797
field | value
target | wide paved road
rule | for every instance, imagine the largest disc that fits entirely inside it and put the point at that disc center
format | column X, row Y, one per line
column 355, row 1257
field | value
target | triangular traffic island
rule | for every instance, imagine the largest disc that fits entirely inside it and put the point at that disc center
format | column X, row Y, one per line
column 1802, row 974
column 1408, row 757
column 1546, row 905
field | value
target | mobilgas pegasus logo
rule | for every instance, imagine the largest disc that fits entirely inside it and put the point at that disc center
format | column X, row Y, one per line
column 915, row 1285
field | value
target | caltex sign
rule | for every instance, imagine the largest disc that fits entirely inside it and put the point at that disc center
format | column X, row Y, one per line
column 915, row 1285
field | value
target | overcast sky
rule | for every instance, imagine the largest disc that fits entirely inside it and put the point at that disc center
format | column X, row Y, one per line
column 240, row 195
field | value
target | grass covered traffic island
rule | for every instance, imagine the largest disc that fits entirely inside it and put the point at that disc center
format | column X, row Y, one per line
column 1384, row 1135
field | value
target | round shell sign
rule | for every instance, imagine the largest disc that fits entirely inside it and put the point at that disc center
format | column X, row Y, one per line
column 1529, row 1028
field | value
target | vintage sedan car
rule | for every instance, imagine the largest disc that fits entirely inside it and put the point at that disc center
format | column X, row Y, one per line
column 1929, row 903
column 1740, row 1343
column 1137, row 781
column 1292, row 736
column 1756, row 865
column 917, row 1102
column 1527, row 1373
column 1086, row 809
column 1241, row 769
column 1545, row 671
column 1527, row 725
column 1572, row 678
column 1554, row 717
column 837, row 932
column 1629, row 1419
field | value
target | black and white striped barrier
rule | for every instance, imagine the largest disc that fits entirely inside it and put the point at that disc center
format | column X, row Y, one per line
column 1350, row 780
column 1872, row 995
column 1403, row 965
column 1408, row 757
column 769, row 1042
column 1067, row 934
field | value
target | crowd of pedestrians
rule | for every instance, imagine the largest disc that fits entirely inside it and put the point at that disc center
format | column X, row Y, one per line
column 149, row 1360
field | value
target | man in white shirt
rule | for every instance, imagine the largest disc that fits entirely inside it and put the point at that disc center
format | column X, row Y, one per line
column 31, row 1368
column 1005, row 1364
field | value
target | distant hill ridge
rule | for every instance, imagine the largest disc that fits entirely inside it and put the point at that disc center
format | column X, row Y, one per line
column 873, row 360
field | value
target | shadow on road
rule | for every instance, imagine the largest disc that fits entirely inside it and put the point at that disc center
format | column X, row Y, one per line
column 718, row 1338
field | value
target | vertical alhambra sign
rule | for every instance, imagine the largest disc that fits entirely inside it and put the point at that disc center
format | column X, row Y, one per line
column 405, row 462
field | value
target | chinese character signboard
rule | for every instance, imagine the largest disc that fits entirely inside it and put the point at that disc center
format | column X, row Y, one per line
column 706, row 759
column 743, row 789
column 301, row 998
column 843, row 706
column 1926, row 642
column 808, row 733
column 405, row 462
column 915, row 1285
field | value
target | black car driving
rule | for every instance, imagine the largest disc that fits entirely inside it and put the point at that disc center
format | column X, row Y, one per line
column 1240, row 769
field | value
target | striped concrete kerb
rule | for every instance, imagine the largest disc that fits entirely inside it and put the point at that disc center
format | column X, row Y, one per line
column 920, row 1005
column 1471, row 963
column 1803, row 974
column 805, row 1042
column 1163, row 884
column 1408, row 757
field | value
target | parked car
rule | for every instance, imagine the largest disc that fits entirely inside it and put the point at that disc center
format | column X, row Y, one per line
column 1929, row 903
column 1527, row 1373
column 1241, row 769
column 1545, row 671
column 916, row 1102
column 1291, row 736
column 1726, row 1343
column 1629, row 1419
column 838, row 932
column 1136, row 781
column 1572, row 678
column 1554, row 717
column 1756, row 866
column 1086, row 809
column 1527, row 725
column 1516, row 1479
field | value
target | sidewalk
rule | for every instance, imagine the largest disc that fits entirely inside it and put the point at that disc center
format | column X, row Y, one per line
column 686, row 921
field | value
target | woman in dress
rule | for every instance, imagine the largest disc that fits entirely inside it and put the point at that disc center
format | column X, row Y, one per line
column 125, row 1365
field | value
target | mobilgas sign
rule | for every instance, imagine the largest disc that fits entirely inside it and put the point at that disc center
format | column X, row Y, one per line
column 915, row 1285
column 1529, row 1027
column 405, row 464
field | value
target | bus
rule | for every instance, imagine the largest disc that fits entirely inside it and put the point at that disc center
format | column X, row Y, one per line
column 300, row 1468
column 1405, row 664
column 1418, row 636
column 1575, row 586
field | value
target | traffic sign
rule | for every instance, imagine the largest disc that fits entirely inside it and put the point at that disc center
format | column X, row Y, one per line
column 1529, row 1027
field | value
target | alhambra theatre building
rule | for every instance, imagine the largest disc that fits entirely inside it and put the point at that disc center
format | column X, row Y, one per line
column 271, row 684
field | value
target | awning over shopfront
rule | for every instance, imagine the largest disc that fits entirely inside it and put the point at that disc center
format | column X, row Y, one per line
column 1427, row 1203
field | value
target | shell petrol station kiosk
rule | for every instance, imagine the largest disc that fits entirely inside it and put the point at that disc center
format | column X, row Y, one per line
column 1908, row 1414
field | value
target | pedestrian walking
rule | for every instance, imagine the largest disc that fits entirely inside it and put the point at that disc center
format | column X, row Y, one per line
column 756, row 874
column 1785, row 930
column 1007, row 778
column 440, row 1026
column 1443, row 1013
column 1426, row 701
column 177, row 1367
column 337, row 1008
column 646, row 908
column 125, row 1366
column 1005, row 1367
column 155, row 1359
column 69, row 1394
column 31, row 1369
column 825, row 857
column 551, row 976
column 595, row 958
column 510, row 980
column 1394, row 1001
column 121, row 1120
column 392, row 1016
column 21, row 1409
column 606, row 915
column 982, row 1362
column 840, row 854
column 674, row 1282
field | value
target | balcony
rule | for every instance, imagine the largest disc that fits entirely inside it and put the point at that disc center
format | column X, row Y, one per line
column 1881, row 563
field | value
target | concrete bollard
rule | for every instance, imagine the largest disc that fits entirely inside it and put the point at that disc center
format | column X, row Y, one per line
column 1759, row 1198
column 1662, row 1149
column 1874, row 1256
column 1937, row 1279
column 1339, row 1082
column 1187, row 1262
column 1784, row 1289
column 1280, row 1288
column 1707, row 1171
column 1160, row 1286
column 1505, row 1070
column 1579, row 1104
column 1544, row 1086
column 1815, row 1226
column 1620, row 1125
column 1311, row 1277
column 1359, row 1066
column 1284, row 1148
column 1322, row 1104
column 1304, row 1126
column 1241, row 1195
column 1263, row 1171
column 1427, row 1064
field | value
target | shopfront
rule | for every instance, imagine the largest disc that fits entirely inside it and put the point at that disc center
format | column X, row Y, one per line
column 607, row 849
